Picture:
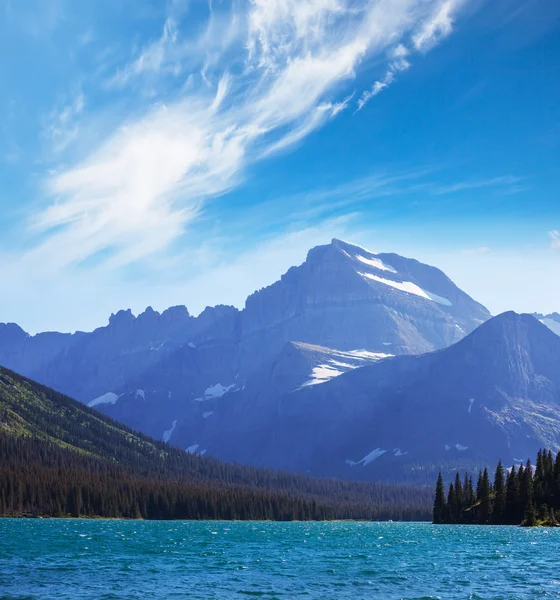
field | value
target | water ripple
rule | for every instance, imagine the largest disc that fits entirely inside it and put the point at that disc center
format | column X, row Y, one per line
column 75, row 559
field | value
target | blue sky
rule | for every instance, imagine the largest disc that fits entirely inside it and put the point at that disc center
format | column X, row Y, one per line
column 185, row 152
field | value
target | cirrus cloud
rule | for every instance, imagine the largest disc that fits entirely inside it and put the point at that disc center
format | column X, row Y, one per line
column 259, row 77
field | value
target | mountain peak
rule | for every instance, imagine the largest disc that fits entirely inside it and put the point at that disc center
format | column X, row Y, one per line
column 347, row 255
column 510, row 319
column 122, row 316
column 514, row 339
column 343, row 244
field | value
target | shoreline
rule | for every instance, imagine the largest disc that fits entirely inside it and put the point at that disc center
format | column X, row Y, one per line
column 96, row 518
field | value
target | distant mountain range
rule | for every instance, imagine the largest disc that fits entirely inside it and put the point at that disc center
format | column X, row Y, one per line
column 243, row 384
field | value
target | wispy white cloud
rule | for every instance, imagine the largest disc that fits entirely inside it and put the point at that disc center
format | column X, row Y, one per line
column 437, row 26
column 506, row 183
column 427, row 33
column 376, row 88
column 261, row 77
column 554, row 236
column 62, row 124
column 398, row 62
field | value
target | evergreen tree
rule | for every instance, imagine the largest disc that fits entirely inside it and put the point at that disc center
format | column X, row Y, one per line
column 479, row 486
column 498, row 514
column 439, row 502
column 525, row 488
column 458, row 499
column 450, row 504
column 530, row 516
column 485, row 508
column 512, row 497
column 556, row 482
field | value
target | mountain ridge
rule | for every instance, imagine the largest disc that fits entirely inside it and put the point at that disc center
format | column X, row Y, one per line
column 326, row 301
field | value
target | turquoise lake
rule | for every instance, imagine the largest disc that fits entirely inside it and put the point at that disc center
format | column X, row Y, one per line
column 70, row 559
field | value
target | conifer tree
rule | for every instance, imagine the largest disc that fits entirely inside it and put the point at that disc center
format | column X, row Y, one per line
column 539, row 466
column 439, row 502
column 485, row 509
column 556, row 482
column 530, row 517
column 479, row 485
column 498, row 514
column 450, row 502
column 458, row 500
column 512, row 497
column 525, row 488
column 466, row 498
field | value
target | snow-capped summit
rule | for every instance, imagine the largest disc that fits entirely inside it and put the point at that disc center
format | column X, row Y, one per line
column 346, row 297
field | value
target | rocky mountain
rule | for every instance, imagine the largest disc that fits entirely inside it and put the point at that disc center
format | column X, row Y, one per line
column 494, row 394
column 346, row 297
column 552, row 321
column 167, row 374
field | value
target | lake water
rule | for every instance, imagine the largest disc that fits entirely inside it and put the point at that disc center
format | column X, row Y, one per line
column 71, row 559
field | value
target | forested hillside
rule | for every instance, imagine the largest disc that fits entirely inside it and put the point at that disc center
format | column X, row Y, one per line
column 527, row 495
column 60, row 458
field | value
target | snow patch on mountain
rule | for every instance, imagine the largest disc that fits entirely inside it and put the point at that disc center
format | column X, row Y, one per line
column 322, row 373
column 368, row 458
column 408, row 287
column 338, row 362
column 108, row 398
column 169, row 432
column 141, row 394
column 376, row 263
column 216, row 391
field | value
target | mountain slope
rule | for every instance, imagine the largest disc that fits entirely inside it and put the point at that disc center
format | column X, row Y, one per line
column 495, row 394
column 59, row 457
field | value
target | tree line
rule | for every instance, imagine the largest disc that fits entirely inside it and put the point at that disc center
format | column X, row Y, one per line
column 38, row 478
column 525, row 495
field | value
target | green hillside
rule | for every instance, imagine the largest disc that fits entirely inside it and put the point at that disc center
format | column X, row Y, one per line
column 61, row 458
